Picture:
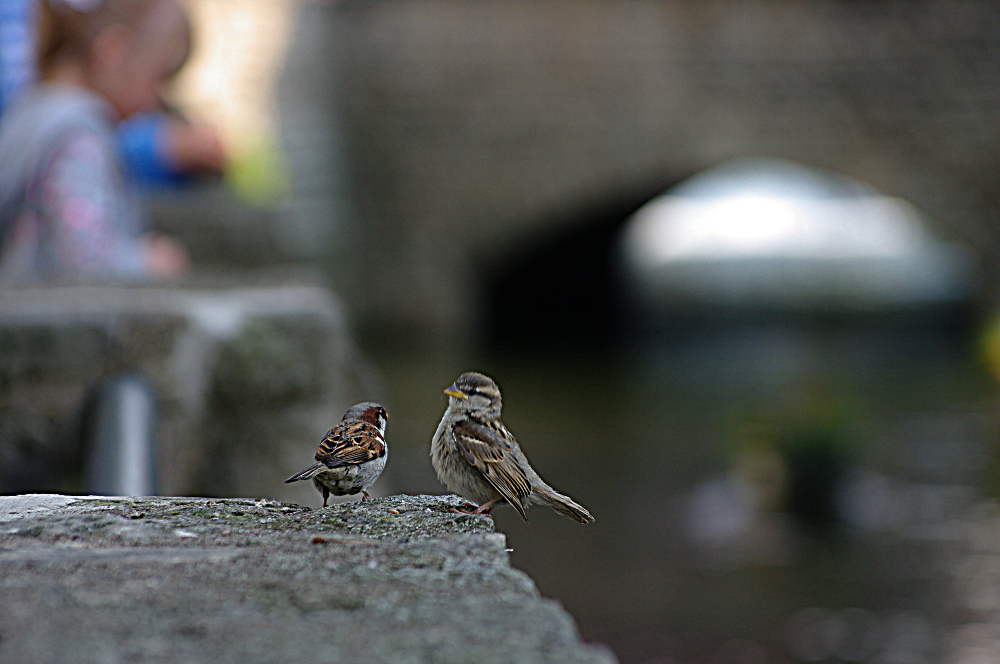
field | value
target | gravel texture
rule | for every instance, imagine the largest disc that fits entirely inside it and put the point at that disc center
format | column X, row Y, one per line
column 398, row 579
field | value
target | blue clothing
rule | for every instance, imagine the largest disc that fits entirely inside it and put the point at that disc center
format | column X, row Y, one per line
column 17, row 48
column 141, row 142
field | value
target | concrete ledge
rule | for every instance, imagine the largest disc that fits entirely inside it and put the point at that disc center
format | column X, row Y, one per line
column 397, row 579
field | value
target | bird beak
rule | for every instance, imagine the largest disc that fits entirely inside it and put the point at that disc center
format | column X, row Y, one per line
column 454, row 392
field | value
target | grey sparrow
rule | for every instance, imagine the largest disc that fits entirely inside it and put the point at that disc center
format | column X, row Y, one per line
column 476, row 457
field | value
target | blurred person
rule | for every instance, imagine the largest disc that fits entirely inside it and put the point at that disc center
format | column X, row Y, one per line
column 67, row 204
column 160, row 149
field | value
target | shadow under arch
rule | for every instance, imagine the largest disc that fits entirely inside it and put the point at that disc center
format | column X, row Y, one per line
column 563, row 291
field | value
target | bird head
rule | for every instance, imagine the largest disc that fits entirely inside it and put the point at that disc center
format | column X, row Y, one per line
column 368, row 412
column 474, row 392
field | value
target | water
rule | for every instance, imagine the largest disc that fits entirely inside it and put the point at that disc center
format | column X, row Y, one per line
column 763, row 492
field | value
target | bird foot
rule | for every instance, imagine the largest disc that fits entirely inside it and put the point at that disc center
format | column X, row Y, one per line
column 483, row 509
column 365, row 496
column 475, row 512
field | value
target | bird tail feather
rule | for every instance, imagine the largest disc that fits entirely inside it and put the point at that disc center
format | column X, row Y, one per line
column 306, row 473
column 562, row 504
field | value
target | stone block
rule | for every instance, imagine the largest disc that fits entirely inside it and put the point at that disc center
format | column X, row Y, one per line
column 239, row 372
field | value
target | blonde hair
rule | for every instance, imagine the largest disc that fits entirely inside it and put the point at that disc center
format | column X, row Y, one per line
column 68, row 28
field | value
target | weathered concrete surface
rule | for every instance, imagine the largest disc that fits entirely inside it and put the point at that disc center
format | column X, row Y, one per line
column 397, row 579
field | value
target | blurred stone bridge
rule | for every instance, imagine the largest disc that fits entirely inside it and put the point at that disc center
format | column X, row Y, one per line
column 465, row 134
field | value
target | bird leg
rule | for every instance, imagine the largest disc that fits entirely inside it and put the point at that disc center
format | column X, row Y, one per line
column 365, row 496
column 487, row 507
column 484, row 509
column 326, row 494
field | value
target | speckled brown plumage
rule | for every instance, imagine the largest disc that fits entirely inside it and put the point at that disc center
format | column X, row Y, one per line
column 352, row 454
column 355, row 443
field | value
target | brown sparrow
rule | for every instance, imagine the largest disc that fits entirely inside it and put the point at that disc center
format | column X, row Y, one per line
column 351, row 455
column 476, row 457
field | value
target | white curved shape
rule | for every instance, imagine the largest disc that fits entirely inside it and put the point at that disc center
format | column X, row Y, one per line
column 762, row 231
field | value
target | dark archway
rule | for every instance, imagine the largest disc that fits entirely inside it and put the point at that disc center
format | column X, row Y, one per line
column 565, row 291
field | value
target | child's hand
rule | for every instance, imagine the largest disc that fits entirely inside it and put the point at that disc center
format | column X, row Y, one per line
column 193, row 147
column 164, row 257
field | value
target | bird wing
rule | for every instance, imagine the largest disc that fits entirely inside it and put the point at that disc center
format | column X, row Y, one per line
column 491, row 453
column 350, row 443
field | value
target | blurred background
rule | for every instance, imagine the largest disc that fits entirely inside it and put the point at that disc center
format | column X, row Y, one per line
column 734, row 266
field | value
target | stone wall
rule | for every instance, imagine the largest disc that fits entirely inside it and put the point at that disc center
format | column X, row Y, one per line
column 472, row 130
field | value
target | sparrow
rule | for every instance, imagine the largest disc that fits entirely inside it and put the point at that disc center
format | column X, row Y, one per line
column 352, row 454
column 475, row 456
